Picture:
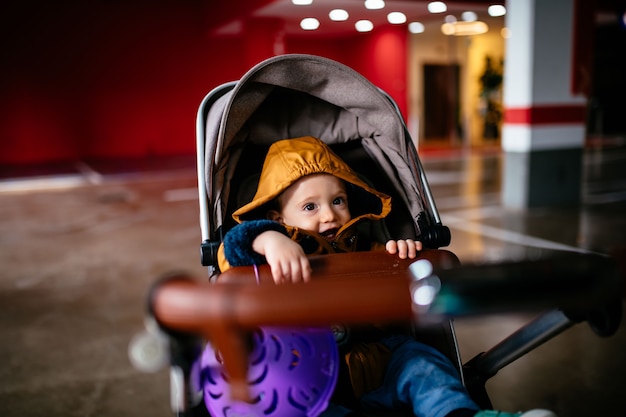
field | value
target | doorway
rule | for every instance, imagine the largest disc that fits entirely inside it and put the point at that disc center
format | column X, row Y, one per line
column 442, row 121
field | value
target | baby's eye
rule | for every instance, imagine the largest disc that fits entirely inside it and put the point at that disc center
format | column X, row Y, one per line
column 338, row 201
column 309, row 207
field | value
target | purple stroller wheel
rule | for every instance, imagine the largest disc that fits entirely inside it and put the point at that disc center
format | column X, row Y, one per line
column 291, row 373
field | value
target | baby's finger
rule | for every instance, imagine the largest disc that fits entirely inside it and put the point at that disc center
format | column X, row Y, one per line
column 411, row 248
column 300, row 270
column 306, row 269
column 391, row 247
column 280, row 272
column 295, row 272
column 402, row 248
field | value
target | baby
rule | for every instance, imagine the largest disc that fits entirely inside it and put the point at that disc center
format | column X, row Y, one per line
column 309, row 201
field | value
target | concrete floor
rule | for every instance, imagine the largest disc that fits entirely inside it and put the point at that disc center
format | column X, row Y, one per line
column 80, row 250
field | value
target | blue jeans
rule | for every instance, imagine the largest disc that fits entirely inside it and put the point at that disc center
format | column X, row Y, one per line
column 418, row 378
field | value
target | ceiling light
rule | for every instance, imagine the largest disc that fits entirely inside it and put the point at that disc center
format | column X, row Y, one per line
column 449, row 19
column 505, row 32
column 364, row 26
column 437, row 7
column 496, row 10
column 309, row 23
column 302, row 2
column 338, row 15
column 396, row 18
column 416, row 27
column 464, row 28
column 469, row 16
column 374, row 4
column 447, row 29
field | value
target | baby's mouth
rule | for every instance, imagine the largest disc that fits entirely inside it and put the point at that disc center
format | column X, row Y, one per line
column 330, row 234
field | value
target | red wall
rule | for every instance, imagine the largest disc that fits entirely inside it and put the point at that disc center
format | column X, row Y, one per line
column 124, row 79
column 380, row 56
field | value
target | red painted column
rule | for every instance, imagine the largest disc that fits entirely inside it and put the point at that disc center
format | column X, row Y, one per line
column 544, row 120
column 386, row 57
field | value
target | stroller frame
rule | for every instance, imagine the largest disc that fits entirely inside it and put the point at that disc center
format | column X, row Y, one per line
column 601, row 309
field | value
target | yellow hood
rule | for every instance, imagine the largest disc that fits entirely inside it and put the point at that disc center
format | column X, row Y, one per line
column 291, row 159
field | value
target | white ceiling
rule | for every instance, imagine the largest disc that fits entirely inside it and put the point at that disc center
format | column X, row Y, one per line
column 415, row 10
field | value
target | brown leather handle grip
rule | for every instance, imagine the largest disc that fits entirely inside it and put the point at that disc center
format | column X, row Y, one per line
column 350, row 265
column 350, row 288
column 354, row 288
column 193, row 306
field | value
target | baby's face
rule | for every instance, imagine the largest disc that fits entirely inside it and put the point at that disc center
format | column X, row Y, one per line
column 316, row 203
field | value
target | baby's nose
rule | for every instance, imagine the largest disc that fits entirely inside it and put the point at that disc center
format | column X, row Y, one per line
column 328, row 214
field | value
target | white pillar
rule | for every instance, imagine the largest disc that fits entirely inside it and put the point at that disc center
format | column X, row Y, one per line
column 544, row 122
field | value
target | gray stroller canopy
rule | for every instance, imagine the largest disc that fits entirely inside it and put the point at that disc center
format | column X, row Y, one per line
column 298, row 95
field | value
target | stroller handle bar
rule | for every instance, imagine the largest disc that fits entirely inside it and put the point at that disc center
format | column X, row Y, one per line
column 372, row 287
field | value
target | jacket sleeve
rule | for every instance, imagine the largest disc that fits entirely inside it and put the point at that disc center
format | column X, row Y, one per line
column 237, row 247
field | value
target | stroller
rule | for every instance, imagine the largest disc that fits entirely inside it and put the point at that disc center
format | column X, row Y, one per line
column 247, row 322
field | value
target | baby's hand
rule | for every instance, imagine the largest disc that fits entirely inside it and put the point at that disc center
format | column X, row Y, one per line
column 407, row 248
column 285, row 257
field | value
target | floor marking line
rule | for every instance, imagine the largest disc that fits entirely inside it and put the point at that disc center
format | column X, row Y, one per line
column 42, row 183
column 507, row 235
